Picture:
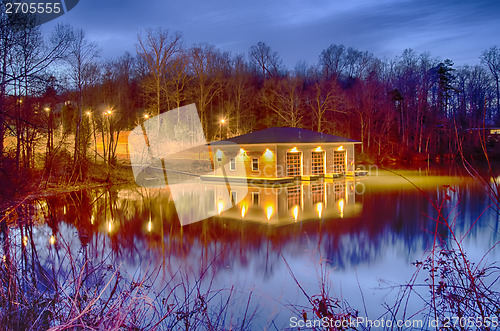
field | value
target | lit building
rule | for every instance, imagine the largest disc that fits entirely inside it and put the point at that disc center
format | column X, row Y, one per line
column 281, row 155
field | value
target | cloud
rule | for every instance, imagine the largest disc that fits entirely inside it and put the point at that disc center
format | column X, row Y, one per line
column 300, row 29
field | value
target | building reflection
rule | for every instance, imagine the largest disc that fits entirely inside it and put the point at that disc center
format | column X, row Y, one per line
column 274, row 205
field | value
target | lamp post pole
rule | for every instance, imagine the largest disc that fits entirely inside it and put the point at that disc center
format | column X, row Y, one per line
column 222, row 121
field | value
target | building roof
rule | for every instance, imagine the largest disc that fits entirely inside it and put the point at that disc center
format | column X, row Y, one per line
column 288, row 135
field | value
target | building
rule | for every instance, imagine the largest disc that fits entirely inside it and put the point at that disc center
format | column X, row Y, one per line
column 281, row 155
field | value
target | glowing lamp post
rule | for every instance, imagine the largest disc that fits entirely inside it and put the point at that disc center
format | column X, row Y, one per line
column 92, row 128
column 108, row 114
column 50, row 136
column 222, row 121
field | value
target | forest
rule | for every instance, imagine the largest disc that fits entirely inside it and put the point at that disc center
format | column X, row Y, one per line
column 58, row 97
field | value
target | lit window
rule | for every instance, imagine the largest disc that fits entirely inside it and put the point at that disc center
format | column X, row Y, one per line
column 232, row 164
column 219, row 155
column 293, row 164
column 255, row 164
column 317, row 163
column 339, row 161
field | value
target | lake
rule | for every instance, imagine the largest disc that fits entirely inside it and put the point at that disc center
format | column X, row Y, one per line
column 360, row 240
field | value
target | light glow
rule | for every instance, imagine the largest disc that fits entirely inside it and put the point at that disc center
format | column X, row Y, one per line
column 220, row 207
column 341, row 207
column 150, row 226
column 219, row 153
column 294, row 150
column 269, row 212
column 52, row 240
column 295, row 212
column 243, row 211
column 319, row 208
column 268, row 153
column 110, row 226
column 341, row 148
column 319, row 149
column 25, row 240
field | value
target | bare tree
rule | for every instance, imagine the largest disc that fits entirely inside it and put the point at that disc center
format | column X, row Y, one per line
column 208, row 66
column 284, row 97
column 81, row 60
column 324, row 97
column 492, row 59
column 158, row 49
column 266, row 61
column 178, row 80
column 239, row 95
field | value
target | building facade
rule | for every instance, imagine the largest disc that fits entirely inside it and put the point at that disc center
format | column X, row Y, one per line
column 282, row 154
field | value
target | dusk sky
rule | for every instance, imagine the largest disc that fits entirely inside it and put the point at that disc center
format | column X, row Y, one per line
column 299, row 30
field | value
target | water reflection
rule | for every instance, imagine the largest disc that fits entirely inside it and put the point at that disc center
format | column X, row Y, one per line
column 351, row 223
column 276, row 205
column 329, row 211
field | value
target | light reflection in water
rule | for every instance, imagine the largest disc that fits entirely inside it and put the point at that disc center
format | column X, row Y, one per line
column 295, row 213
column 319, row 209
column 220, row 207
column 341, row 207
column 243, row 210
column 269, row 212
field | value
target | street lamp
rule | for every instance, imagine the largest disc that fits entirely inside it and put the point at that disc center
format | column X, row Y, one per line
column 92, row 128
column 146, row 116
column 222, row 121
column 50, row 136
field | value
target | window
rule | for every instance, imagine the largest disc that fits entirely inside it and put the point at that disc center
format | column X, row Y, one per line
column 318, row 193
column 233, row 197
column 339, row 159
column 318, row 163
column 218, row 154
column 339, row 190
column 294, row 196
column 255, row 164
column 293, row 164
column 255, row 198
column 232, row 164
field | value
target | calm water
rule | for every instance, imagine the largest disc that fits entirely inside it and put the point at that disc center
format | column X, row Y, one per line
column 362, row 233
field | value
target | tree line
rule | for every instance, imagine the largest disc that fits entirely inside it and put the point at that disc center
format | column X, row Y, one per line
column 56, row 88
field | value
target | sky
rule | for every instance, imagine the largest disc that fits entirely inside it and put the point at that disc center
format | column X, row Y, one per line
column 298, row 29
